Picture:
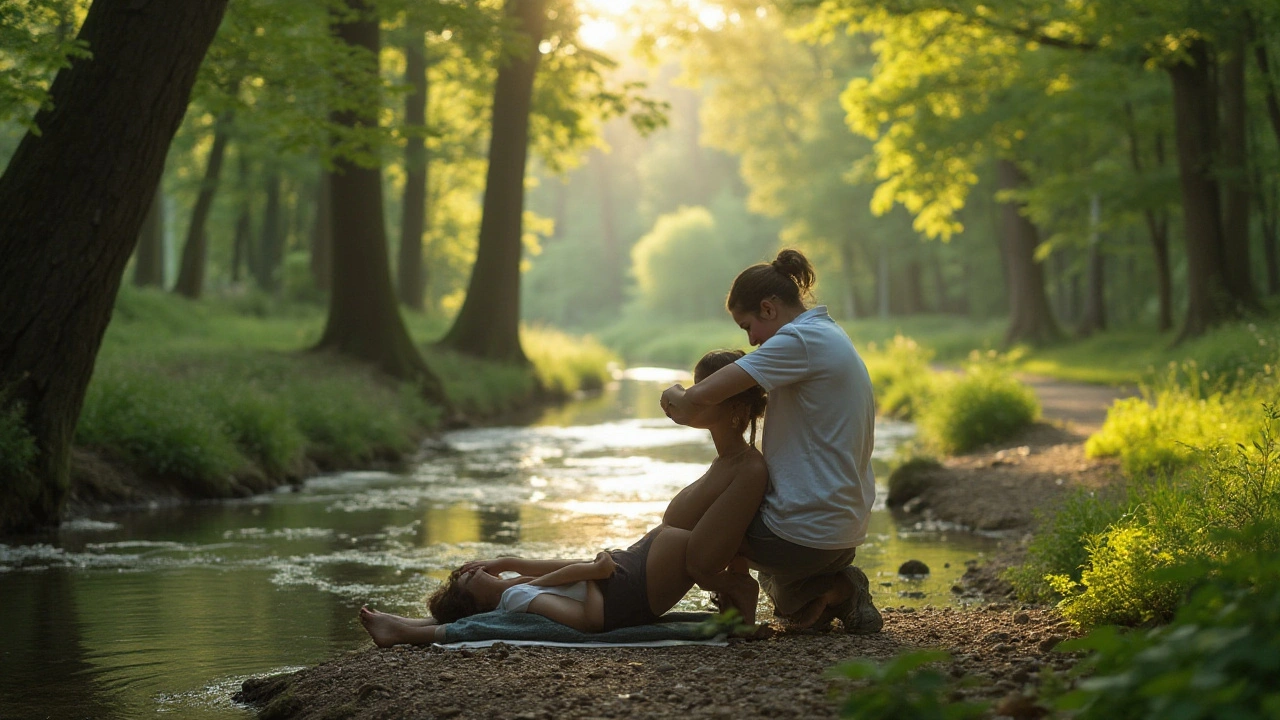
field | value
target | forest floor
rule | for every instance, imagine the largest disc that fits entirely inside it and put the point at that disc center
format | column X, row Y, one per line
column 1003, row 647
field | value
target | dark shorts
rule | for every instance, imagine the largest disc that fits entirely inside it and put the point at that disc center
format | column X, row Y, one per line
column 626, row 592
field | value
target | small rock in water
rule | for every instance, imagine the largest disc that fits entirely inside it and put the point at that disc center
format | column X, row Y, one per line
column 913, row 567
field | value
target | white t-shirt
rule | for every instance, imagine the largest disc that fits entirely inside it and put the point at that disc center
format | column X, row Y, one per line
column 818, row 433
column 517, row 597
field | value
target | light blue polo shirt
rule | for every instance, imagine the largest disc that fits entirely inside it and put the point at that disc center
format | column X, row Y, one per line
column 819, row 430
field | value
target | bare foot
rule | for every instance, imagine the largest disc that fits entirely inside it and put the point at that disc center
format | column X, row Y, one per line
column 742, row 593
column 387, row 631
column 411, row 622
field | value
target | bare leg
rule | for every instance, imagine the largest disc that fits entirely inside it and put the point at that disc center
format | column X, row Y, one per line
column 386, row 631
column 716, row 542
column 667, row 579
column 412, row 622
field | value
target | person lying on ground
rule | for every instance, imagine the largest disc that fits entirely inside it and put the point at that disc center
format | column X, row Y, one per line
column 703, row 530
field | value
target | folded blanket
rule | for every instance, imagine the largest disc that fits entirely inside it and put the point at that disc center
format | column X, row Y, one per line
column 531, row 628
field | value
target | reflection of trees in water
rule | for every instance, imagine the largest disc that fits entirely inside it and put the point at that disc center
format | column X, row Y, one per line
column 500, row 524
column 44, row 669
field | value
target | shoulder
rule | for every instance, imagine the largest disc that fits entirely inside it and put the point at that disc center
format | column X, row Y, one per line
column 753, row 468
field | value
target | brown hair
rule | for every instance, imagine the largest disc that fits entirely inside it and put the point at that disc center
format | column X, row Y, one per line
column 450, row 603
column 789, row 277
column 753, row 399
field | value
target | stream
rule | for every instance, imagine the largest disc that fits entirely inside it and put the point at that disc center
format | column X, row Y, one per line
column 166, row 610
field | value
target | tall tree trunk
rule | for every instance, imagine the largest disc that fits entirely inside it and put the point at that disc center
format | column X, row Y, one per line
column 242, row 246
column 148, row 259
column 941, row 296
column 488, row 325
column 1095, row 299
column 882, row 281
column 322, row 234
column 1235, row 180
column 1268, row 84
column 413, row 225
column 196, row 249
column 1157, row 227
column 1194, row 112
column 1269, row 212
column 1030, row 319
column 74, row 198
column 364, row 321
column 270, row 239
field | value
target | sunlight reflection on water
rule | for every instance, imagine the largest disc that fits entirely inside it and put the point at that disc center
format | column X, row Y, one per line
column 154, row 605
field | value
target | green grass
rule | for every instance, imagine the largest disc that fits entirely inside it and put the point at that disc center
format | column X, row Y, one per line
column 221, row 397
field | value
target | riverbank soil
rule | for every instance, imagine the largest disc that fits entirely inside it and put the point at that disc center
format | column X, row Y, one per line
column 1005, row 649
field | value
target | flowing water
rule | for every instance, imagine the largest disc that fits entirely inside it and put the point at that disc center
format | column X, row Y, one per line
column 166, row 611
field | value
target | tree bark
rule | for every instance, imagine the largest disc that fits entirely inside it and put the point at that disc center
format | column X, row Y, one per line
column 1094, row 318
column 1157, row 228
column 488, row 325
column 413, row 224
column 322, row 234
column 1194, row 112
column 195, row 251
column 1269, row 86
column 242, row 247
column 364, row 321
column 74, row 198
column 148, row 259
column 1234, row 172
column 1030, row 319
column 270, row 239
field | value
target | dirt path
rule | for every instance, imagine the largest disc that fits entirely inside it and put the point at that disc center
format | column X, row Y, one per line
column 1081, row 405
column 1001, row 645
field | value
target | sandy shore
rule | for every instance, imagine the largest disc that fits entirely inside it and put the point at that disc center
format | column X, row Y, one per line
column 1001, row 645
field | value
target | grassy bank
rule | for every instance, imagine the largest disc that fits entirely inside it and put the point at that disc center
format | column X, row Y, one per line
column 220, row 398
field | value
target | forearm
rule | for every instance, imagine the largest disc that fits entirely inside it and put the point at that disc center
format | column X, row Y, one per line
column 577, row 572
column 537, row 568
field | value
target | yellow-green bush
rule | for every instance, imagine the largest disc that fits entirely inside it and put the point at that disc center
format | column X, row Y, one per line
column 565, row 364
column 986, row 404
column 1156, row 432
column 1120, row 585
column 900, row 375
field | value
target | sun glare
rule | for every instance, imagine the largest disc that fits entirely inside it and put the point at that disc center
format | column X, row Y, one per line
column 601, row 21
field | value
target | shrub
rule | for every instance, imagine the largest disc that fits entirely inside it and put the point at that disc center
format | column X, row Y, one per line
column 987, row 404
column 1058, row 547
column 565, row 364
column 1198, row 515
column 348, row 419
column 1218, row 658
column 901, row 376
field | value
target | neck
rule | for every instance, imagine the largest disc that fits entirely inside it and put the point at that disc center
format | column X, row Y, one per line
column 729, row 442
column 787, row 314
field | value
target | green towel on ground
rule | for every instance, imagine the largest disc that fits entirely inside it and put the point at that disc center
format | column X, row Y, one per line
column 685, row 626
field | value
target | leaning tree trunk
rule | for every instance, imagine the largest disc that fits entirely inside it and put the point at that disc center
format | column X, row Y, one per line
column 1194, row 113
column 1030, row 319
column 364, row 321
column 74, row 198
column 413, row 224
column 488, row 325
column 148, row 259
column 194, row 253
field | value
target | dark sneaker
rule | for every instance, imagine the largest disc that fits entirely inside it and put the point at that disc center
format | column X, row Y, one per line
column 858, row 614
